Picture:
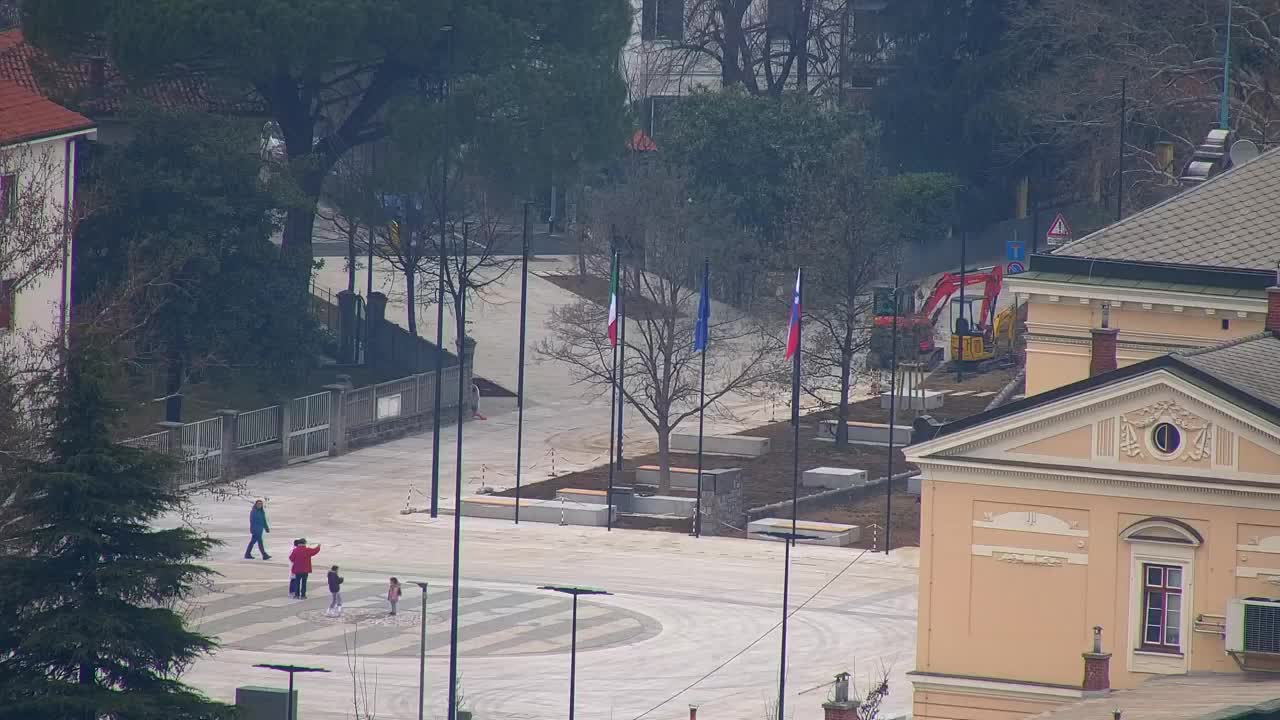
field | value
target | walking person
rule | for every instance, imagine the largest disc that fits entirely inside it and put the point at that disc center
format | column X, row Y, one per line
column 257, row 526
column 335, row 593
column 300, row 564
column 393, row 594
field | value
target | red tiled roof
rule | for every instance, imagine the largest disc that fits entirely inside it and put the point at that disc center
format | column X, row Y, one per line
column 24, row 115
column 70, row 81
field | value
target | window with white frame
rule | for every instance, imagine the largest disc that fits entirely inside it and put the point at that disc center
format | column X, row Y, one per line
column 1162, row 607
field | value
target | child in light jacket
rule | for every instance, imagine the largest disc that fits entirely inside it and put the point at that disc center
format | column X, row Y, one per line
column 393, row 594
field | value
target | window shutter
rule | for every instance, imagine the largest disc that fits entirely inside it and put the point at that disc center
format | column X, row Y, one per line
column 648, row 19
column 8, row 304
column 670, row 19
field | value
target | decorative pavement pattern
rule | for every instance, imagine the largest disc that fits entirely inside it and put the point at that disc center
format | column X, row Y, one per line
column 490, row 622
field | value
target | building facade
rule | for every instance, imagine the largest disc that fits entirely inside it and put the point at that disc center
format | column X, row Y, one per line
column 1103, row 533
column 1189, row 272
column 37, row 195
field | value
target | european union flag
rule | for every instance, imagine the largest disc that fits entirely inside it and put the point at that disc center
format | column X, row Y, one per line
column 702, row 325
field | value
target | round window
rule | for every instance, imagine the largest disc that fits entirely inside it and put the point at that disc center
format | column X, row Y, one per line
column 1166, row 438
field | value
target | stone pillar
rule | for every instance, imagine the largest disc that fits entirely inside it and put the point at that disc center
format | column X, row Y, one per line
column 286, row 410
column 347, row 327
column 841, row 707
column 172, row 443
column 230, row 425
column 467, row 371
column 337, row 419
column 1272, row 323
column 1097, row 667
column 375, row 351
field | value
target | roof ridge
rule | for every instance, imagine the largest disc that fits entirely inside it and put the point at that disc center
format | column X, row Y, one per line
column 1147, row 211
column 1190, row 352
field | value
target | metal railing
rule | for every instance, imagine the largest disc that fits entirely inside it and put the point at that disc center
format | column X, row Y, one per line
column 202, row 451
column 156, row 441
column 258, row 427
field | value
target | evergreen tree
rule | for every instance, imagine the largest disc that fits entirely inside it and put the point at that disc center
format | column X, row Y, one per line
column 89, row 587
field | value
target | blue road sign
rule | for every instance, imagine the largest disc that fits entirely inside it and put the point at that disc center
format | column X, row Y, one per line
column 1014, row 268
column 1015, row 251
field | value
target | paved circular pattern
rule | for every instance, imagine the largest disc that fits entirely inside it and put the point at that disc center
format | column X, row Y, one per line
column 490, row 622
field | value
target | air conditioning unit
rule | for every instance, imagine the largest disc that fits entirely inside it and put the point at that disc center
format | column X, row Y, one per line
column 1253, row 626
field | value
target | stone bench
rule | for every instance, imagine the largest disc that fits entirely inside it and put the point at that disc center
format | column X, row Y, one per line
column 663, row 505
column 686, row 478
column 819, row 533
column 863, row 433
column 918, row 400
column 833, row 478
column 732, row 445
column 546, row 511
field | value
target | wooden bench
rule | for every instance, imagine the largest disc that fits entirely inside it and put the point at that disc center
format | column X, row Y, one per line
column 582, row 495
column 818, row 533
column 545, row 511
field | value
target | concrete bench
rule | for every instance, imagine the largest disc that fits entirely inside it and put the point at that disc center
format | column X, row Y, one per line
column 863, row 433
column 732, row 445
column 579, row 495
column 918, row 400
column 686, row 478
column 834, row 478
column 546, row 511
column 663, row 505
column 818, row 533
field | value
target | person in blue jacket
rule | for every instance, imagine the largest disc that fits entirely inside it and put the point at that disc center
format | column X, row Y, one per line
column 257, row 526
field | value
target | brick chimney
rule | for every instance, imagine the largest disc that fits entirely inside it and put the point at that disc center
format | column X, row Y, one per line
column 1102, row 351
column 693, row 712
column 841, row 708
column 1097, row 667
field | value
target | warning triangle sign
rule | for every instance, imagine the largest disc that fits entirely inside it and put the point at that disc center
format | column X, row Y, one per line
column 1059, row 232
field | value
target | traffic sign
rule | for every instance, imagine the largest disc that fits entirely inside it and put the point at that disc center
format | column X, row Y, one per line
column 1015, row 251
column 1059, row 232
column 1014, row 268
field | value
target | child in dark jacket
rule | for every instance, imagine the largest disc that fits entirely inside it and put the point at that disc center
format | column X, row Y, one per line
column 335, row 593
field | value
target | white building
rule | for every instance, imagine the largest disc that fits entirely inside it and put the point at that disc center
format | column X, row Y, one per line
column 38, row 141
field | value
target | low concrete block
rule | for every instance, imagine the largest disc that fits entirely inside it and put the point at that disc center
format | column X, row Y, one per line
column 545, row 511
column 817, row 533
column 590, row 497
column 920, row 400
column 732, row 445
column 833, row 478
column 686, row 478
column 663, row 505
column 862, row 433
column 264, row 703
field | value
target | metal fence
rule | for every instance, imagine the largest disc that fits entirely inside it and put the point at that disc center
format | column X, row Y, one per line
column 201, row 451
column 309, row 427
column 407, row 396
column 258, row 427
column 156, row 441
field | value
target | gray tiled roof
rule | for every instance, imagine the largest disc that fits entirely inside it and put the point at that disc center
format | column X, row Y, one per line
column 1248, row 364
column 1178, row 697
column 1230, row 221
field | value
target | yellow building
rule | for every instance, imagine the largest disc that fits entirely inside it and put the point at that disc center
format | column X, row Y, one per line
column 1104, row 533
column 1189, row 272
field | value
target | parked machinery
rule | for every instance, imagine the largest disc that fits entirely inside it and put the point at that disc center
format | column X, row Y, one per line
column 970, row 331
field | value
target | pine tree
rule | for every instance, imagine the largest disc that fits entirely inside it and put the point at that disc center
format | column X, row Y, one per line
column 89, row 588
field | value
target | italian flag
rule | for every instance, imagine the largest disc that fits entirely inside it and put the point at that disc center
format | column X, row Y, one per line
column 613, row 302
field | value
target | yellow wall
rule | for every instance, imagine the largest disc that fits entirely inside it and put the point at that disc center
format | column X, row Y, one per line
column 1021, row 621
column 938, row 705
column 1053, row 363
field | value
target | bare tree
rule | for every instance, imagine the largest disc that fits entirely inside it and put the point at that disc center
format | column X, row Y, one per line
column 663, row 237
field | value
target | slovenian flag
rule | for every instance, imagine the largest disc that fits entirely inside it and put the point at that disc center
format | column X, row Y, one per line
column 793, row 328
column 701, row 326
column 613, row 302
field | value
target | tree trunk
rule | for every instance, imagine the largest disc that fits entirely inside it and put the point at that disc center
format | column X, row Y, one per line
column 87, row 677
column 582, row 255
column 410, row 298
column 353, row 229
column 846, row 368
column 664, row 459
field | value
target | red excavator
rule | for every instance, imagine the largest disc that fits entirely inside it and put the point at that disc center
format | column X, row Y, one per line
column 971, row 332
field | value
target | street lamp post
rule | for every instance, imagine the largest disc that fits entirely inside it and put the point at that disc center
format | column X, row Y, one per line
column 444, row 229
column 575, row 591
column 291, row 669
column 788, row 539
column 422, row 648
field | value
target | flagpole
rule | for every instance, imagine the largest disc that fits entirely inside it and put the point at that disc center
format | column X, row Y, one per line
column 704, row 321
column 613, row 415
column 893, row 416
column 795, row 489
column 457, row 480
column 622, row 351
column 524, row 302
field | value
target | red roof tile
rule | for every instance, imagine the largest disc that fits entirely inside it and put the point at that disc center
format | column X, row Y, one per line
column 70, row 81
column 24, row 115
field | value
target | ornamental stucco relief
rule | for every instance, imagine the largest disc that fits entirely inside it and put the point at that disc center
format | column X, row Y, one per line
column 1135, row 440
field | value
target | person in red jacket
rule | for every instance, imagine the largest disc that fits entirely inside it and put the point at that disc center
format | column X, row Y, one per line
column 300, row 564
